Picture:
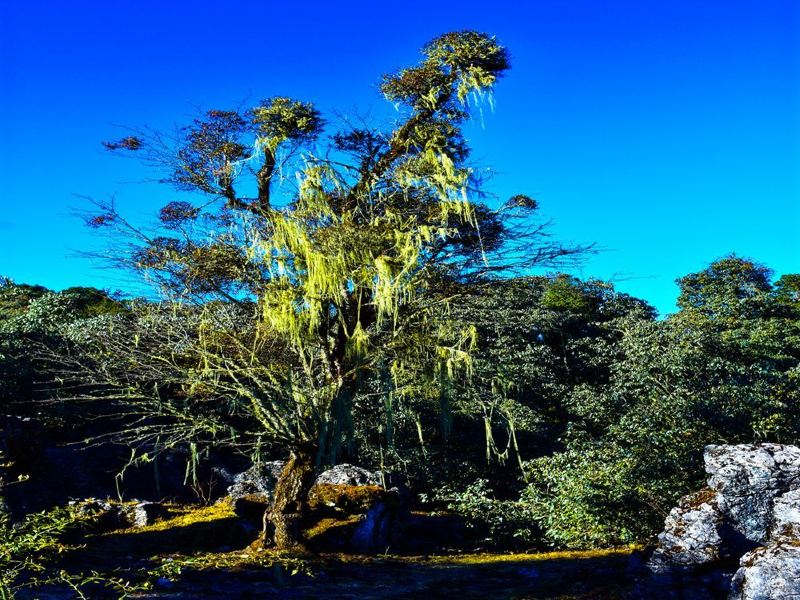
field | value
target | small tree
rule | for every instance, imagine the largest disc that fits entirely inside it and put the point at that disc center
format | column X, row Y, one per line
column 336, row 272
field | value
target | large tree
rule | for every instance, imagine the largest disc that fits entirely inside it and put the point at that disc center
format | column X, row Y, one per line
column 306, row 273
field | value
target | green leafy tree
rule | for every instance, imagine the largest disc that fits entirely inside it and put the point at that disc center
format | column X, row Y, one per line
column 338, row 272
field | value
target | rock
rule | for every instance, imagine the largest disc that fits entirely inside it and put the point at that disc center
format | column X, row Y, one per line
column 768, row 573
column 353, row 518
column 747, row 478
column 260, row 480
column 692, row 534
column 92, row 507
column 257, row 481
column 142, row 514
column 786, row 517
column 252, row 490
column 332, row 499
column 345, row 474
column 106, row 515
column 753, row 498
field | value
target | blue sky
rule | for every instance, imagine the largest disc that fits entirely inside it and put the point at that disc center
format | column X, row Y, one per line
column 666, row 132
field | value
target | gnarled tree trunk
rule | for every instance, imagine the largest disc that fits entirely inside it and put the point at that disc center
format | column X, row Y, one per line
column 283, row 523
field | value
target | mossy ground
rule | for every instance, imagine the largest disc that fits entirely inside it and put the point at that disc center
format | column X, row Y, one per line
column 197, row 552
column 185, row 516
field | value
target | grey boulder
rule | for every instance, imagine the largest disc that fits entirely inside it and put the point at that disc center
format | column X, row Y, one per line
column 768, row 573
column 751, row 509
column 691, row 535
column 747, row 478
column 346, row 474
column 142, row 514
column 257, row 481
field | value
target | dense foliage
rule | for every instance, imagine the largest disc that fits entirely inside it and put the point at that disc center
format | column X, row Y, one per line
column 585, row 417
column 723, row 369
column 373, row 307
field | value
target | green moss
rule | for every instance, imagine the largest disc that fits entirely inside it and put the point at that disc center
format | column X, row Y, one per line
column 487, row 558
column 187, row 530
column 187, row 516
column 330, row 526
column 349, row 498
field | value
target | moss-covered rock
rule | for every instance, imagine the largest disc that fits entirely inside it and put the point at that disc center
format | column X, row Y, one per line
column 350, row 518
column 334, row 499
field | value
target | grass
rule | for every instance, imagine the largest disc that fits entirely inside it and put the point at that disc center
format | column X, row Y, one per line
column 173, row 566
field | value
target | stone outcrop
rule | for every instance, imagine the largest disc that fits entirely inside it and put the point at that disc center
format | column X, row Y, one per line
column 141, row 514
column 747, row 479
column 750, row 511
column 259, row 480
column 786, row 516
column 252, row 490
column 108, row 514
column 692, row 534
column 349, row 510
column 345, row 474
column 769, row 572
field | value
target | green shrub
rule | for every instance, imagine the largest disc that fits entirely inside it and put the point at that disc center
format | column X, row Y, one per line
column 585, row 499
column 502, row 523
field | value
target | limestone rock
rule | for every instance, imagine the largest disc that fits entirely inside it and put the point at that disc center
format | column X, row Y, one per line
column 786, row 517
column 753, row 498
column 768, row 573
column 104, row 515
column 141, row 514
column 91, row 507
column 107, row 515
column 692, row 534
column 747, row 478
column 252, row 490
column 257, row 482
column 346, row 474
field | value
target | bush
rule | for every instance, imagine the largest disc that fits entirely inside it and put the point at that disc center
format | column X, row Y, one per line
column 587, row 499
column 505, row 523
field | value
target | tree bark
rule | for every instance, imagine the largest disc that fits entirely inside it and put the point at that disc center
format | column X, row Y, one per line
column 283, row 523
column 264, row 178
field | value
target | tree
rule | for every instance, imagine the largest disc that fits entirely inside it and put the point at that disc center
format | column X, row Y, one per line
column 336, row 274
column 729, row 288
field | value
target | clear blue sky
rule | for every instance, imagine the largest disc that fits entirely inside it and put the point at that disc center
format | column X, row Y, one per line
column 666, row 132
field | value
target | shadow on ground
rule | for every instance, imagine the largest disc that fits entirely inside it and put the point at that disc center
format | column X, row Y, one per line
column 608, row 574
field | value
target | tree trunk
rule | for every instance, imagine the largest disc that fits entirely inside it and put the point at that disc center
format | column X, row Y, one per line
column 283, row 523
